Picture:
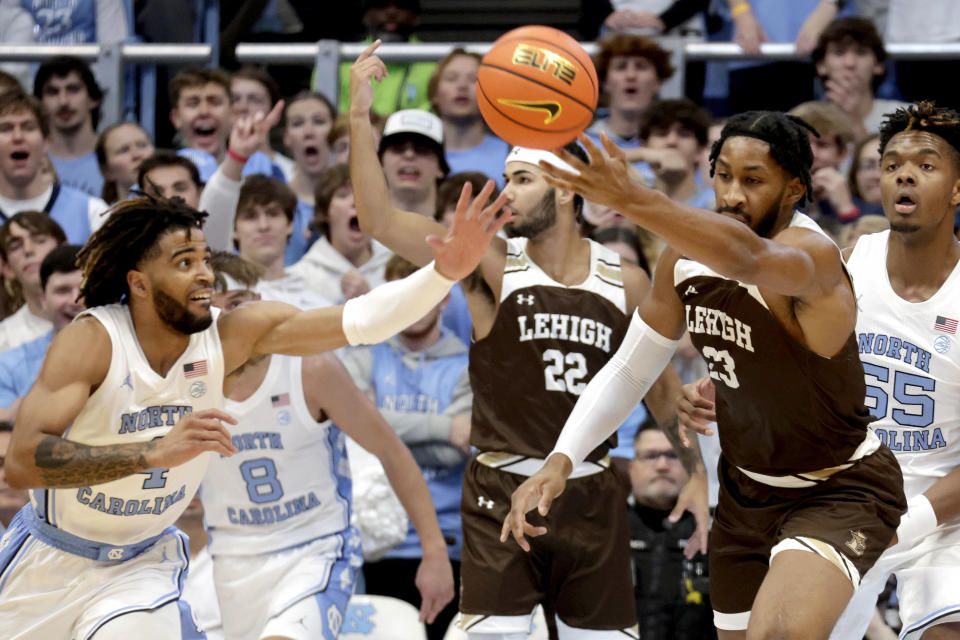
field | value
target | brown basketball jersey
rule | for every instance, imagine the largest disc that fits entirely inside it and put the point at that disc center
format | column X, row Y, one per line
column 781, row 408
column 547, row 342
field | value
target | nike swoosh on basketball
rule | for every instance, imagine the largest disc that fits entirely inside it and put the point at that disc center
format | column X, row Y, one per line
column 552, row 107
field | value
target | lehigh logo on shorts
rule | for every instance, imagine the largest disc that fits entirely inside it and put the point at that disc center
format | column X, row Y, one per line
column 857, row 542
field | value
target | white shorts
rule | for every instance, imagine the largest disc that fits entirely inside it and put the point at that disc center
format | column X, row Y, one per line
column 299, row 593
column 928, row 586
column 46, row 592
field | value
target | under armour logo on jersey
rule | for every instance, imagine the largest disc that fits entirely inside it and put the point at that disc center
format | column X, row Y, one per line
column 484, row 502
column 522, row 299
column 691, row 291
column 115, row 554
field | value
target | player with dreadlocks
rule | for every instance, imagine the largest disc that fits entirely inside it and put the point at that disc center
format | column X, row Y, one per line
column 115, row 435
column 809, row 497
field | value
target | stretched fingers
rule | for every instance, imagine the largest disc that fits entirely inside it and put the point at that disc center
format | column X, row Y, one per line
column 463, row 204
column 611, row 148
column 490, row 211
column 552, row 171
column 560, row 182
column 477, row 205
column 369, row 50
column 273, row 117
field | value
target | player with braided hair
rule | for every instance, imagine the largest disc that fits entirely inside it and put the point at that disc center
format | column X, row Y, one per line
column 809, row 497
column 128, row 236
column 115, row 435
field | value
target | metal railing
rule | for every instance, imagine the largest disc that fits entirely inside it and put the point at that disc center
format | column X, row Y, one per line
column 110, row 61
column 326, row 55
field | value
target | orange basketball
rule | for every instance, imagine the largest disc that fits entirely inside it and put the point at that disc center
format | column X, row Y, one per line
column 537, row 87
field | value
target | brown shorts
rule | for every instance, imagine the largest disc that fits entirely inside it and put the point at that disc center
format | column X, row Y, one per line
column 856, row 512
column 581, row 565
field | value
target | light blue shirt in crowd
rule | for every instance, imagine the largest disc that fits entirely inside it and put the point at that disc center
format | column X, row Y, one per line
column 19, row 368
column 82, row 174
column 487, row 158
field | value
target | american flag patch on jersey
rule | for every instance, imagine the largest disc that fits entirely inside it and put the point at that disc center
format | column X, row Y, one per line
column 195, row 369
column 947, row 325
column 281, row 400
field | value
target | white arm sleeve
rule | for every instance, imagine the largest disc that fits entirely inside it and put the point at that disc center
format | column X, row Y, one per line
column 616, row 389
column 220, row 198
column 393, row 306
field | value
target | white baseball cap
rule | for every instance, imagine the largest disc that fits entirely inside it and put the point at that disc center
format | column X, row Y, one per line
column 414, row 121
column 417, row 124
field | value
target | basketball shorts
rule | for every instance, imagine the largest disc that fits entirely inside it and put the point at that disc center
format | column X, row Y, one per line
column 848, row 519
column 581, row 565
column 299, row 593
column 46, row 592
column 928, row 586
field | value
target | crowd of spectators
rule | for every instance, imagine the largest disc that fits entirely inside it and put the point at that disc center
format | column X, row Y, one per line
column 285, row 202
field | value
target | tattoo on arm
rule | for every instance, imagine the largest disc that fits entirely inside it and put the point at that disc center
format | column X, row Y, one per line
column 63, row 463
column 690, row 456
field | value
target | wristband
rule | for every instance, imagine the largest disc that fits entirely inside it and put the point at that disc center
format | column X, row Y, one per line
column 850, row 214
column 236, row 156
column 918, row 522
column 740, row 8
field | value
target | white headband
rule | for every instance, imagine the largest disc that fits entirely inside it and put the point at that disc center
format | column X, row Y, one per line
column 534, row 156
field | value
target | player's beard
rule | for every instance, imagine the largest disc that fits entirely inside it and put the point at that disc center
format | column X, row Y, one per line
column 177, row 315
column 539, row 219
column 767, row 221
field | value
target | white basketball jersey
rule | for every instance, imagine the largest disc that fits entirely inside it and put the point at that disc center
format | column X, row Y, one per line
column 136, row 404
column 911, row 361
column 289, row 482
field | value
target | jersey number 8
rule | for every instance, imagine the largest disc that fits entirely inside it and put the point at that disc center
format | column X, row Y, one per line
column 261, row 478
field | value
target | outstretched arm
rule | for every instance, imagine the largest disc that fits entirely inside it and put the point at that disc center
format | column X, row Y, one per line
column 797, row 263
column 39, row 455
column 328, row 385
column 262, row 328
column 400, row 231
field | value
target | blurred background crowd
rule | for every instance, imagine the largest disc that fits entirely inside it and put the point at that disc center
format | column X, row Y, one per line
column 288, row 199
